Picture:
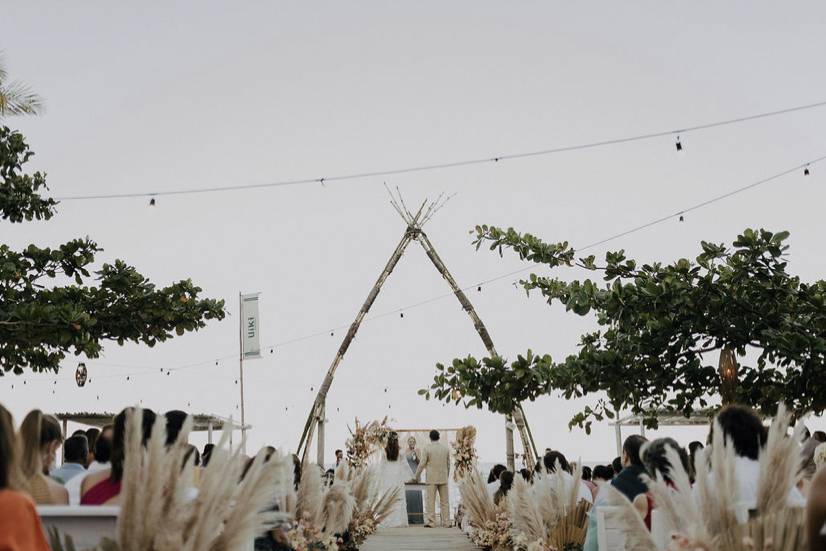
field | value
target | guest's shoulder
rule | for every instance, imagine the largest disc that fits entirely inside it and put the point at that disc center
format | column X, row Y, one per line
column 15, row 505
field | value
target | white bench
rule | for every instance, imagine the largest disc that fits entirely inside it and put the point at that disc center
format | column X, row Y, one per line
column 87, row 525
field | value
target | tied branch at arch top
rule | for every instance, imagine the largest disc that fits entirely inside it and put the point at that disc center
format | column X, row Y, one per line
column 658, row 324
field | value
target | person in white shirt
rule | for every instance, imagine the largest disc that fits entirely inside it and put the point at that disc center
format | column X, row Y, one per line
column 555, row 465
column 743, row 429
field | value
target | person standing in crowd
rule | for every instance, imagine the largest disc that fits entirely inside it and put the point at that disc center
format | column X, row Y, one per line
column 602, row 474
column 206, row 455
column 40, row 438
column 339, row 457
column 20, row 527
column 75, row 459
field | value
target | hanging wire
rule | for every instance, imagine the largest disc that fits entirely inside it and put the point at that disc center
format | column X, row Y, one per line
column 453, row 164
column 508, row 275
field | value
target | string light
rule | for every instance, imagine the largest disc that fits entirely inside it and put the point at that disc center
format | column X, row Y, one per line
column 401, row 314
column 455, row 164
column 610, row 238
column 679, row 144
column 682, row 218
column 806, row 171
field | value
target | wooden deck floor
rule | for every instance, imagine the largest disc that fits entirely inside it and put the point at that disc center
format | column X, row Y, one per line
column 418, row 539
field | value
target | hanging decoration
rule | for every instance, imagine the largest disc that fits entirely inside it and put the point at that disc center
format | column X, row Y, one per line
column 81, row 374
column 365, row 440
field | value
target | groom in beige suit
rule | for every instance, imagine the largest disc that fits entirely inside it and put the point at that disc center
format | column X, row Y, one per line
column 435, row 459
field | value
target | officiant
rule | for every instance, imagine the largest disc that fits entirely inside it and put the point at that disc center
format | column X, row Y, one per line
column 412, row 454
column 415, row 503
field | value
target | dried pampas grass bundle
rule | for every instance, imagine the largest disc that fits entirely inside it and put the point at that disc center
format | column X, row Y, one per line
column 310, row 497
column 477, row 500
column 526, row 518
column 158, row 512
column 339, row 506
column 709, row 515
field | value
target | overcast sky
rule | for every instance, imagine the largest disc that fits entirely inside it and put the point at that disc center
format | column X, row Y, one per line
column 152, row 97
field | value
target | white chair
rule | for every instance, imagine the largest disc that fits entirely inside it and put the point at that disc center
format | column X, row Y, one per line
column 660, row 531
column 609, row 529
column 87, row 525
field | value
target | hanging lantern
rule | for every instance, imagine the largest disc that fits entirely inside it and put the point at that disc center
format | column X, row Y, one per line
column 81, row 373
column 456, row 395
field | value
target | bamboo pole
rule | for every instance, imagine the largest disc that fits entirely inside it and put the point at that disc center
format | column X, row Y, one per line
column 321, row 397
column 518, row 414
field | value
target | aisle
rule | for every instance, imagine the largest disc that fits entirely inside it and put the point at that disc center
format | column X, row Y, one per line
column 419, row 539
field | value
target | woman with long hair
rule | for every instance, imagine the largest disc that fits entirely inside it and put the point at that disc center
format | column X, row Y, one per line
column 40, row 438
column 103, row 487
column 392, row 474
column 505, row 485
column 20, row 526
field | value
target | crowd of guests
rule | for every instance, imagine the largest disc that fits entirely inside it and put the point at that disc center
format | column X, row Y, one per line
column 640, row 458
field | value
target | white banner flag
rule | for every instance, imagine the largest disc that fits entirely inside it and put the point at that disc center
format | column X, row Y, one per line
column 250, row 327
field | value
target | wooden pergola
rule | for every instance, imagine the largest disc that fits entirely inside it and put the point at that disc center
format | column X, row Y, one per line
column 665, row 418
column 201, row 422
column 413, row 232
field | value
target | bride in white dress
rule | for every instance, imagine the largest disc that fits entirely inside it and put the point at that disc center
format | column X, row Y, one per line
column 393, row 472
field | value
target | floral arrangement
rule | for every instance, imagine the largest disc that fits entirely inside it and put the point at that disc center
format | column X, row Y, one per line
column 494, row 534
column 303, row 535
column 361, row 527
column 366, row 439
column 464, row 452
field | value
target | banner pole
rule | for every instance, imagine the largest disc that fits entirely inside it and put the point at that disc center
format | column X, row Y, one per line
column 241, row 372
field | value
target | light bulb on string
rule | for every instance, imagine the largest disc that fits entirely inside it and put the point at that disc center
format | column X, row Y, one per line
column 682, row 218
column 401, row 314
column 152, row 202
column 479, row 288
column 678, row 144
column 806, row 171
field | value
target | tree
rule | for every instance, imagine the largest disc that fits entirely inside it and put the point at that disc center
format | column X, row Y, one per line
column 52, row 303
column 16, row 98
column 661, row 327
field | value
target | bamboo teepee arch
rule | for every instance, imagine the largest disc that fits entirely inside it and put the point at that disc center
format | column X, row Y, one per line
column 413, row 232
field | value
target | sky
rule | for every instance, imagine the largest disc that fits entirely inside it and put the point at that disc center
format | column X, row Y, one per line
column 178, row 95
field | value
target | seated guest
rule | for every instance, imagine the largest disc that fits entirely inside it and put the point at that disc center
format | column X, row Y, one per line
column 602, row 474
column 816, row 513
column 627, row 482
column 40, row 437
column 616, row 464
column 744, row 431
column 527, row 475
column 20, row 528
column 657, row 463
column 103, row 487
column 92, row 435
column 175, row 420
column 555, row 465
column 75, row 457
column 694, row 449
column 103, row 452
column 586, row 479
column 493, row 478
column 206, row 455
column 505, row 485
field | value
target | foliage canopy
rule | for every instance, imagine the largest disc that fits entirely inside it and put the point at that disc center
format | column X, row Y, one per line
column 660, row 327
column 51, row 300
